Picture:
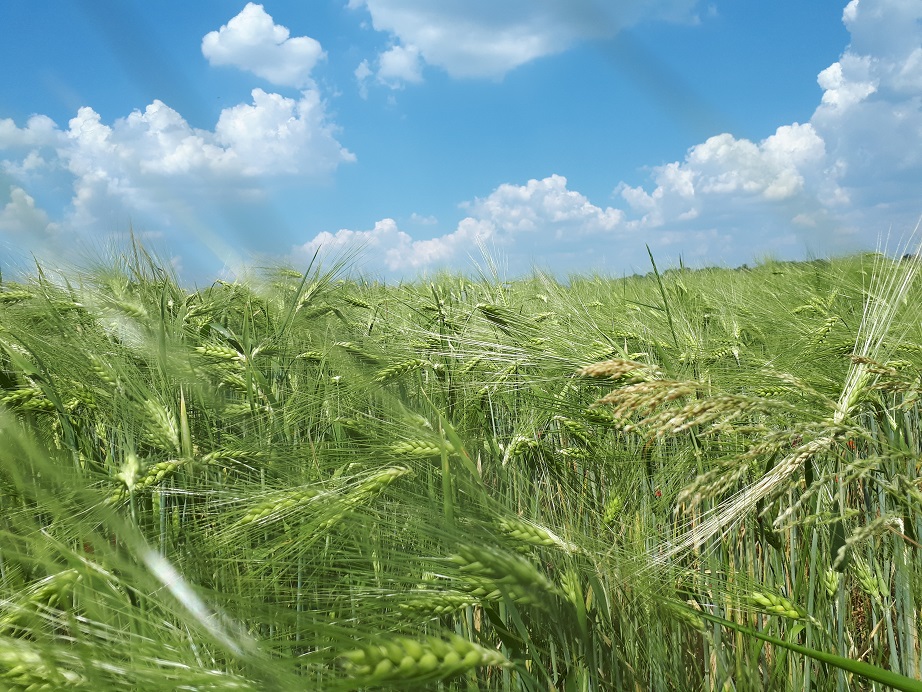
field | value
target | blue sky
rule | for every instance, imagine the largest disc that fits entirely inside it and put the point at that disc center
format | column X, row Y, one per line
column 559, row 134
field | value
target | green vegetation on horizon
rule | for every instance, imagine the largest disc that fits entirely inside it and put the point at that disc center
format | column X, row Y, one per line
column 689, row 480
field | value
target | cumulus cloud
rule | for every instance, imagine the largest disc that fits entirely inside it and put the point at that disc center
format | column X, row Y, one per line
column 21, row 218
column 28, row 151
column 40, row 131
column 274, row 135
column 134, row 163
column 544, row 206
column 726, row 169
column 537, row 216
column 847, row 82
column 400, row 64
column 397, row 249
column 394, row 68
column 484, row 38
column 870, row 115
column 252, row 41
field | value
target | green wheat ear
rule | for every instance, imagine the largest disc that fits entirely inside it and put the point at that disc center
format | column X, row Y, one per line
column 403, row 660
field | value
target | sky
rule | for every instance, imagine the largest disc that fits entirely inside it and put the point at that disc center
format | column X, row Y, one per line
column 413, row 136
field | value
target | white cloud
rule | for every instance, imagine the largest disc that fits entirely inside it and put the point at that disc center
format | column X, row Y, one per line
column 273, row 135
column 542, row 207
column 870, row 115
column 724, row 167
column 40, row 131
column 400, row 64
column 395, row 67
column 153, row 162
column 277, row 135
column 731, row 199
column 847, row 82
column 397, row 249
column 32, row 163
column 30, row 149
column 485, row 38
column 155, row 149
column 520, row 219
column 252, row 41
column 20, row 217
column 884, row 28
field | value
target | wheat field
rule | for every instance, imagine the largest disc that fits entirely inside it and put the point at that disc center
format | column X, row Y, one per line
column 689, row 480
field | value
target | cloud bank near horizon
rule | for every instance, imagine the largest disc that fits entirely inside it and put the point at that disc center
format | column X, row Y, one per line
column 819, row 186
column 825, row 185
